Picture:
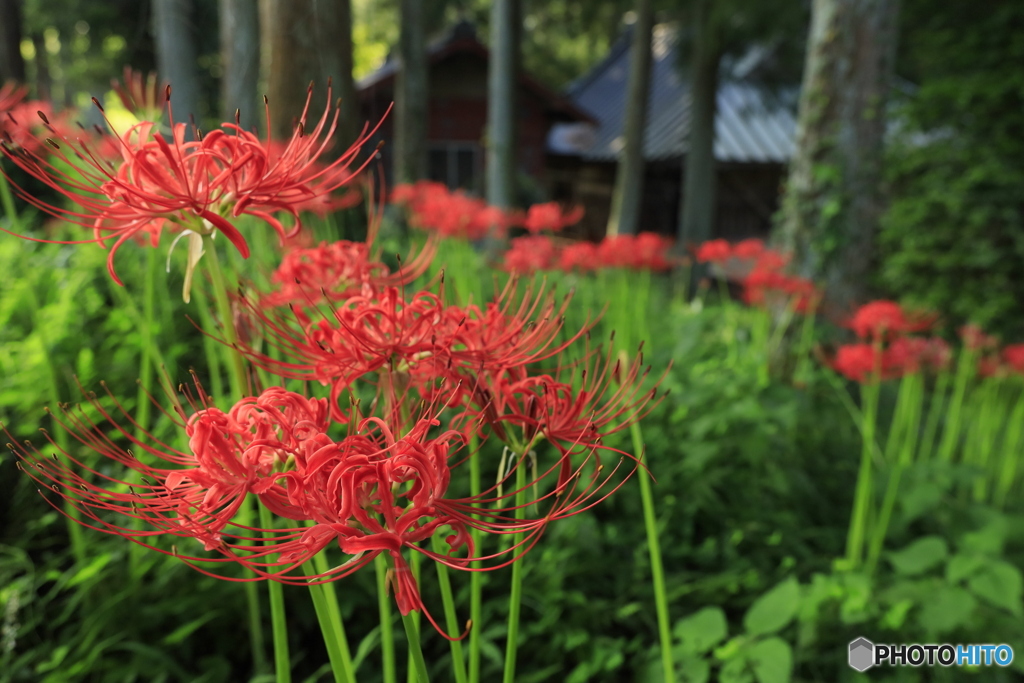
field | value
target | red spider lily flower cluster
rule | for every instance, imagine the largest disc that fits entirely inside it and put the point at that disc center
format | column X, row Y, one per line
column 190, row 187
column 646, row 251
column 374, row 466
column 890, row 351
column 433, row 207
column 334, row 272
column 143, row 96
column 993, row 360
column 549, row 218
column 765, row 283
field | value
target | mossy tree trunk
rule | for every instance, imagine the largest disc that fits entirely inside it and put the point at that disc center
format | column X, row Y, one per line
column 411, row 86
column 240, row 54
column 629, row 175
column 834, row 193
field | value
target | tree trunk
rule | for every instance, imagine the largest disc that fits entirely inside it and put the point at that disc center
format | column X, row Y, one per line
column 697, row 213
column 501, row 120
column 629, row 176
column 303, row 42
column 173, row 31
column 12, row 66
column 240, row 53
column 411, row 96
column 834, row 197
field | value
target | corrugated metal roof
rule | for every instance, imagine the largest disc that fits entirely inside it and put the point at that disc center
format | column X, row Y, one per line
column 750, row 126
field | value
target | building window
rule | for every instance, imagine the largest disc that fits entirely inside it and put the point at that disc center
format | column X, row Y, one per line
column 456, row 164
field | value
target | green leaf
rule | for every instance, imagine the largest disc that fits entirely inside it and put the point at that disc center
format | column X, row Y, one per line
column 702, row 630
column 1000, row 584
column 179, row 634
column 962, row 566
column 88, row 571
column 735, row 671
column 773, row 610
column 772, row 660
column 946, row 610
column 919, row 556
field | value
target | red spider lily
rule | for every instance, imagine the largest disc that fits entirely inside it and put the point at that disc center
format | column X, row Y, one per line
column 975, row 339
column 646, row 251
column 1013, row 355
column 434, row 208
column 714, row 251
column 192, row 187
column 581, row 256
column 861, row 362
column 10, row 95
column 334, row 272
column 145, row 97
column 23, row 121
column 886, row 319
column 381, row 489
column 549, row 217
column 748, row 249
column 530, row 254
column 908, row 355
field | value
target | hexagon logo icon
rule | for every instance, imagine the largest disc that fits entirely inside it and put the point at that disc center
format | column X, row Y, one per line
column 862, row 654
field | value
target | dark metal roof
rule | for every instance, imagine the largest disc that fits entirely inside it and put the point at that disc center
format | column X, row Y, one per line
column 750, row 126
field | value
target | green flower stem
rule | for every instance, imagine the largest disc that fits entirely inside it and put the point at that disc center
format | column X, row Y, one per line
column 282, row 661
column 334, row 614
column 414, row 566
column 1011, row 452
column 333, row 642
column 416, row 660
column 951, row 432
column 236, row 374
column 864, row 491
column 989, row 420
column 475, row 577
column 516, row 590
column 451, row 621
column 210, row 347
column 935, row 410
column 657, row 567
column 387, row 634
column 912, row 397
column 803, row 352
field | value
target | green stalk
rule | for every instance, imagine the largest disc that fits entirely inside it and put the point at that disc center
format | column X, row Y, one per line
column 803, row 352
column 1011, row 452
column 516, row 593
column 387, row 634
column 337, row 624
column 282, row 661
column 451, row 621
column 236, row 373
column 657, row 568
column 475, row 577
column 912, row 396
column 989, row 422
column 417, row 662
column 864, row 492
column 951, row 431
column 342, row 674
column 931, row 424
column 414, row 565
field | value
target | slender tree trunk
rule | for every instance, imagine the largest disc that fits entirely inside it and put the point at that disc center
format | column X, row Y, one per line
column 834, row 196
column 697, row 213
column 501, row 85
column 629, row 177
column 411, row 101
column 240, row 53
column 303, row 42
column 173, row 30
column 12, row 66
column 44, row 83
